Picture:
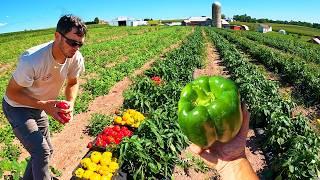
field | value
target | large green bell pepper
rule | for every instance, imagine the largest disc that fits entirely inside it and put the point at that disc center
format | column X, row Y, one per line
column 209, row 110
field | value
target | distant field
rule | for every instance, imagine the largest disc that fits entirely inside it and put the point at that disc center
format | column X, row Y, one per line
column 278, row 77
column 302, row 32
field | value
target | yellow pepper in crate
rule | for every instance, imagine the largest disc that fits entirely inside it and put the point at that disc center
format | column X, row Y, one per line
column 113, row 166
column 107, row 154
column 92, row 166
column 130, row 121
column 118, row 119
column 97, row 166
column 85, row 162
column 104, row 161
column 95, row 156
column 131, row 118
column 125, row 116
column 79, row 172
column 104, row 170
column 95, row 176
column 87, row 174
column 106, row 177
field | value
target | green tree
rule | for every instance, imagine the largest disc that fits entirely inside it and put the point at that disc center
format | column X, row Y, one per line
column 96, row 20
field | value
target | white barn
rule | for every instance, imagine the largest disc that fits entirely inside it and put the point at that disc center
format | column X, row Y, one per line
column 264, row 28
column 125, row 21
column 197, row 21
column 282, row 31
column 225, row 23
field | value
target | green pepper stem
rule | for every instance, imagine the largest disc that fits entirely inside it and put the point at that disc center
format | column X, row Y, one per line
column 204, row 98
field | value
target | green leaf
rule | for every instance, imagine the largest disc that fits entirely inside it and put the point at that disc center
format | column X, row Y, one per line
column 291, row 168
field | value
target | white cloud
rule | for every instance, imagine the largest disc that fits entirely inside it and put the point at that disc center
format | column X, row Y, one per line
column 3, row 24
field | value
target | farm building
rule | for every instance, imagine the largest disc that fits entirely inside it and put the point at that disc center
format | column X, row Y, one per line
column 229, row 20
column 244, row 27
column 315, row 40
column 125, row 21
column 197, row 21
column 264, row 28
column 235, row 27
column 173, row 24
column 282, row 31
column 225, row 23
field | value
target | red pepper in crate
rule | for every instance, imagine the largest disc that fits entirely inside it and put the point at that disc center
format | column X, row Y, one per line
column 112, row 135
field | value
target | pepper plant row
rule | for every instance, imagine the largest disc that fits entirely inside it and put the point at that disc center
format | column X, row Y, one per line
column 9, row 152
column 146, row 47
column 306, row 51
column 154, row 148
column 295, row 146
column 306, row 76
column 96, row 38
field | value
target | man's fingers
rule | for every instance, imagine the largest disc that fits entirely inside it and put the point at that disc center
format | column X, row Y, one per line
column 58, row 118
column 195, row 149
column 209, row 157
column 65, row 111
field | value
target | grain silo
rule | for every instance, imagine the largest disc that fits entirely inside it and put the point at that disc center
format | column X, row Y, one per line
column 216, row 14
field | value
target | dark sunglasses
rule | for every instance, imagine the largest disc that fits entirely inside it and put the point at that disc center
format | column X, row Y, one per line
column 72, row 42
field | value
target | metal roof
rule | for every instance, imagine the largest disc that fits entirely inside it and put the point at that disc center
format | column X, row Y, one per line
column 264, row 25
column 316, row 40
column 201, row 18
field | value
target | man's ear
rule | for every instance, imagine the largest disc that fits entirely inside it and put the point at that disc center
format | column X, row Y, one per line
column 56, row 36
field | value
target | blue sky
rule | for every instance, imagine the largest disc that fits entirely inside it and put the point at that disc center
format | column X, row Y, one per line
column 19, row 15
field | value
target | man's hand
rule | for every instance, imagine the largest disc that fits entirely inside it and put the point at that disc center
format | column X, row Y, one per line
column 229, row 158
column 226, row 151
column 51, row 109
column 70, row 109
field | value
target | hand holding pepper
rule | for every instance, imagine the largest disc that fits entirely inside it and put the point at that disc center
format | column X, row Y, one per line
column 209, row 110
column 65, row 111
column 229, row 158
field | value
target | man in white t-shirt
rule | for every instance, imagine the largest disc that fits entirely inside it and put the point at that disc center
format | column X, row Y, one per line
column 34, row 87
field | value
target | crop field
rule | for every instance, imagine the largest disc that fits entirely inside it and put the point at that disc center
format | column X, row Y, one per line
column 278, row 77
column 301, row 32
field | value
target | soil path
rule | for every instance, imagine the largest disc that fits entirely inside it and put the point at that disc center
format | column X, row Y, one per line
column 253, row 152
column 70, row 144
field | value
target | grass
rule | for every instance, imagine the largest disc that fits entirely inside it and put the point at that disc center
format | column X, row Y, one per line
column 302, row 32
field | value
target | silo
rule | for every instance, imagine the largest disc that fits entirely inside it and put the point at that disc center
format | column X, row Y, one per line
column 216, row 14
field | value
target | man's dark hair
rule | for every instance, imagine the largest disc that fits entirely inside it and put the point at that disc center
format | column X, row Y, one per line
column 69, row 21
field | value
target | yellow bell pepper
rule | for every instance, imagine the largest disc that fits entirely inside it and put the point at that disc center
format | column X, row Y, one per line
column 104, row 161
column 113, row 166
column 95, row 156
column 104, row 170
column 92, row 166
column 85, row 162
column 95, row 176
column 79, row 172
column 118, row 119
column 107, row 154
column 87, row 174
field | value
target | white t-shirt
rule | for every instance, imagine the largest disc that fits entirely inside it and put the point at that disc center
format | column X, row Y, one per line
column 41, row 75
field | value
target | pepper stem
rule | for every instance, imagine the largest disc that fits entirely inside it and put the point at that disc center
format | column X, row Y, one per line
column 204, row 98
